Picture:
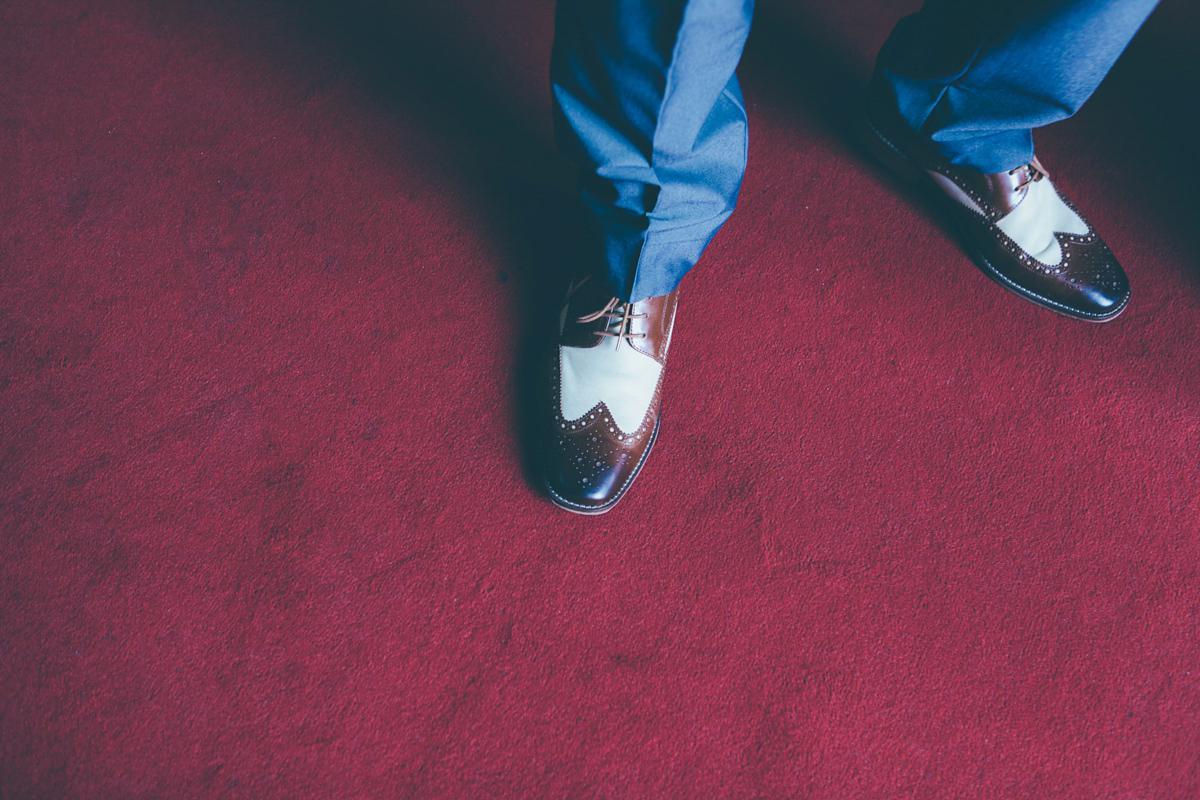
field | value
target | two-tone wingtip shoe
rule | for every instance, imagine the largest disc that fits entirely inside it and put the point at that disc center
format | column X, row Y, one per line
column 605, row 392
column 1015, row 225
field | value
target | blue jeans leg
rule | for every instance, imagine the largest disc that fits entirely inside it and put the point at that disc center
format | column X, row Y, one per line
column 977, row 76
column 647, row 104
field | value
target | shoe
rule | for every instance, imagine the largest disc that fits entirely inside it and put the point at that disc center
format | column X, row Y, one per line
column 1015, row 225
column 606, row 384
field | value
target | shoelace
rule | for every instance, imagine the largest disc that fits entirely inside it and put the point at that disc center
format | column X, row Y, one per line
column 1034, row 172
column 617, row 311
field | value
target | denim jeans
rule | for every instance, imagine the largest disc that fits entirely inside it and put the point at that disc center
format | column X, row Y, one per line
column 647, row 104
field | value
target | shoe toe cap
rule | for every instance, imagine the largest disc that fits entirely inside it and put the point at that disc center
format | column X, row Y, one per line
column 1101, row 286
column 593, row 487
column 588, row 472
column 585, row 472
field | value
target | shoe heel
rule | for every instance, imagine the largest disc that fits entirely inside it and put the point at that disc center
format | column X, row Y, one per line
column 882, row 149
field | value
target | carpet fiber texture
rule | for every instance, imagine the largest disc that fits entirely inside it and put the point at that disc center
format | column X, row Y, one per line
column 275, row 278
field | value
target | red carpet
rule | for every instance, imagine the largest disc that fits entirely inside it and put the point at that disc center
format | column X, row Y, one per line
column 273, row 275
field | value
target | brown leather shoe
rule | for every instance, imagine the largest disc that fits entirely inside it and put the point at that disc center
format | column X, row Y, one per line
column 1015, row 225
column 606, row 383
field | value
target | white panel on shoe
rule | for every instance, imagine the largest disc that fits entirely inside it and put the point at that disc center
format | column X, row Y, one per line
column 622, row 378
column 1033, row 223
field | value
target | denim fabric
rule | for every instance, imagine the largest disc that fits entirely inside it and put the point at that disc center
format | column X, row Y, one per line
column 647, row 104
column 977, row 76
